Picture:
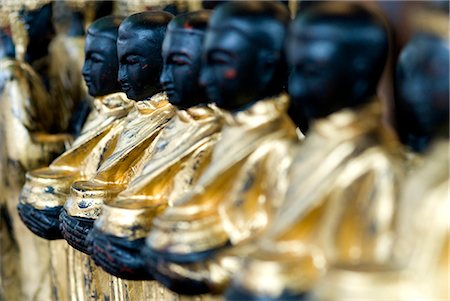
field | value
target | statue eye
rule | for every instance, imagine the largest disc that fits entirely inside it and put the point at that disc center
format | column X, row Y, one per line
column 96, row 58
column 220, row 58
column 131, row 60
column 179, row 62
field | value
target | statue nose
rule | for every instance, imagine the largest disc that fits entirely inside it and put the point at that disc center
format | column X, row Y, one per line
column 165, row 77
column 205, row 77
column 122, row 76
column 296, row 86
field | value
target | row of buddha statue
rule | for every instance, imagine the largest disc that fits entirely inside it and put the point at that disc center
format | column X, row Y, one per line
column 231, row 152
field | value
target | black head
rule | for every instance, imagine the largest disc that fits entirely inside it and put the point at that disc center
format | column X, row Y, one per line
column 100, row 65
column 182, row 52
column 39, row 25
column 7, row 48
column 243, row 57
column 422, row 87
column 337, row 52
column 139, row 50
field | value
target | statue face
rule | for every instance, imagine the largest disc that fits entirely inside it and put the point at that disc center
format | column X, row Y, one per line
column 230, row 69
column 337, row 52
column 182, row 60
column 320, row 72
column 422, row 82
column 139, row 63
column 100, row 66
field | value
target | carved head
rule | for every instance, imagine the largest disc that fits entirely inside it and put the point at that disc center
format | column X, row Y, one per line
column 182, row 51
column 422, row 86
column 337, row 52
column 243, row 59
column 39, row 26
column 139, row 50
column 100, row 65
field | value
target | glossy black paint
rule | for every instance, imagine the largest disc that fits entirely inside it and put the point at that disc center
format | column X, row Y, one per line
column 75, row 230
column 181, row 51
column 44, row 223
column 422, row 91
column 139, row 51
column 101, row 67
column 243, row 60
column 39, row 26
column 337, row 52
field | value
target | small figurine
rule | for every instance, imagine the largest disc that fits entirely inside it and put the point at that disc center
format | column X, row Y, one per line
column 179, row 155
column 344, row 181
column 46, row 189
column 244, row 72
column 139, row 45
column 419, row 268
column 31, row 134
column 57, row 60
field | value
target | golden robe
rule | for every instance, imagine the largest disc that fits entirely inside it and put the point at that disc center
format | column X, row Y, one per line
column 96, row 142
column 423, row 225
column 101, row 130
column 25, row 119
column 66, row 109
column 235, row 197
column 126, row 159
column 419, row 269
column 340, row 206
column 175, row 160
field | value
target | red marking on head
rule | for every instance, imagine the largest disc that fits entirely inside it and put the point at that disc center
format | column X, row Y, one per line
column 230, row 74
column 145, row 66
column 186, row 25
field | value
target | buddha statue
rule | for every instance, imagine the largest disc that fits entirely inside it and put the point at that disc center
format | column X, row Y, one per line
column 46, row 189
column 57, row 58
column 178, row 157
column 244, row 72
column 416, row 136
column 344, row 180
column 419, row 270
column 423, row 247
column 32, row 135
column 139, row 43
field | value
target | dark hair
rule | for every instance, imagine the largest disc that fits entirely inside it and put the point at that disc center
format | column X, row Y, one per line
column 263, row 22
column 364, row 32
column 193, row 21
column 106, row 27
